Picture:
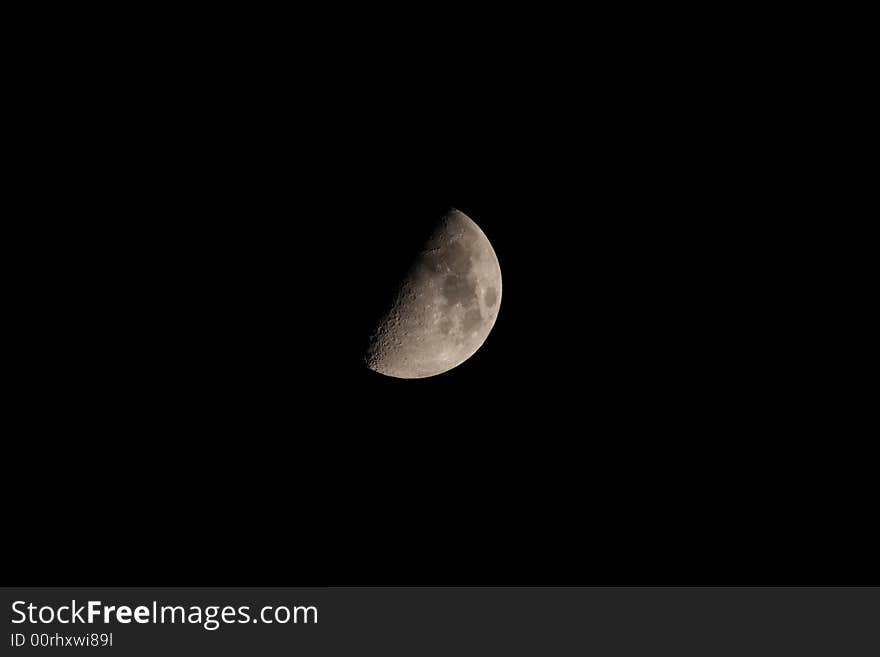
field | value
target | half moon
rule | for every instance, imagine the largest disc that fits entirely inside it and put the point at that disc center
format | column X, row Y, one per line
column 445, row 307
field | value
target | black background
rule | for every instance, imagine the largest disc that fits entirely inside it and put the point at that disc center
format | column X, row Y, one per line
column 205, row 236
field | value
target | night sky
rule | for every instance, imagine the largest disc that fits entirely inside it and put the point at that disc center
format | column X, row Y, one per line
column 199, row 287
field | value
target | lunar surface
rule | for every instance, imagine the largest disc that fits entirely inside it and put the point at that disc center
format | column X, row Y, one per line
column 445, row 307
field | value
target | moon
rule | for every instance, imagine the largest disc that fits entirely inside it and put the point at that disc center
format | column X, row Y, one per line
column 445, row 307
